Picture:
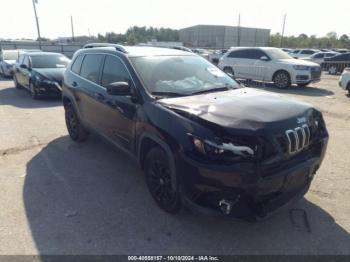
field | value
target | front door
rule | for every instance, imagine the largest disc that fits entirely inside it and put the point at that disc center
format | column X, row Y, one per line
column 119, row 111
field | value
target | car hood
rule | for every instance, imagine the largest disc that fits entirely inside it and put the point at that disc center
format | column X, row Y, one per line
column 10, row 62
column 302, row 62
column 53, row 74
column 243, row 109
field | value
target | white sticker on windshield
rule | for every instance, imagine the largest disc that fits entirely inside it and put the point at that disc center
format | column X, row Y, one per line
column 215, row 71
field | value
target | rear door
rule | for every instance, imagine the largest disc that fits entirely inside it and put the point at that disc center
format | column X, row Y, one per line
column 87, row 89
column 258, row 67
column 238, row 60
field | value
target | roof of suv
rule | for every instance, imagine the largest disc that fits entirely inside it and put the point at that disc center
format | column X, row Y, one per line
column 138, row 51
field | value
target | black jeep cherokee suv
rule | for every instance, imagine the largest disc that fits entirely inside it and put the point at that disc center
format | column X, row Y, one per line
column 202, row 139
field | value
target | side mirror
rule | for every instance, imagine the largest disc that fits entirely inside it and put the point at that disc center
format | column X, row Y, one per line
column 23, row 66
column 119, row 89
column 264, row 58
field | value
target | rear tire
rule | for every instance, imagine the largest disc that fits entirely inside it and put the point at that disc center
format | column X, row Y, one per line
column 75, row 129
column 159, row 181
column 282, row 79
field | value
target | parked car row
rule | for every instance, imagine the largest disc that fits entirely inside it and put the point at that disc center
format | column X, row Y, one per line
column 40, row 72
column 189, row 124
column 8, row 59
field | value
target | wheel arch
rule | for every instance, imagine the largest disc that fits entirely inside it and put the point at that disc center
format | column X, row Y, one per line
column 280, row 71
column 146, row 142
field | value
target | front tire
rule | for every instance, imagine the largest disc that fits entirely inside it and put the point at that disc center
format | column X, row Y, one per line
column 160, row 181
column 282, row 80
column 75, row 129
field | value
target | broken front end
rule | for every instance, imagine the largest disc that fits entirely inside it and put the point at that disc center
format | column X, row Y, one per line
column 249, row 177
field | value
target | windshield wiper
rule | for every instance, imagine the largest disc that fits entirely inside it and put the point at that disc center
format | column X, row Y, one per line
column 166, row 93
column 217, row 89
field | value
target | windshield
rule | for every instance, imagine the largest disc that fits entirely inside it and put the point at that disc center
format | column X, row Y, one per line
column 276, row 54
column 49, row 61
column 10, row 55
column 181, row 75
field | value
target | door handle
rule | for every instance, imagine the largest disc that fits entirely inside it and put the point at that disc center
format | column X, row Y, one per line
column 74, row 84
column 99, row 96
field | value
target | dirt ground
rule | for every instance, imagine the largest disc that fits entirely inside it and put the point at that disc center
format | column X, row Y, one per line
column 59, row 197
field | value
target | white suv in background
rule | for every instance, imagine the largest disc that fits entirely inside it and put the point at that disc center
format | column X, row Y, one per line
column 300, row 53
column 344, row 81
column 269, row 64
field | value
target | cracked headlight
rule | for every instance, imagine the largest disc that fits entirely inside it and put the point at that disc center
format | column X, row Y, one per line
column 215, row 149
column 301, row 67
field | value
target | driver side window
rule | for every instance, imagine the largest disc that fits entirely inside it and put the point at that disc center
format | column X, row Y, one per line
column 114, row 71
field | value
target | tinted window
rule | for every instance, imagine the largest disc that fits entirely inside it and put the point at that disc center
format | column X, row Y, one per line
column 255, row 54
column 49, row 61
column 77, row 64
column 319, row 56
column 238, row 54
column 90, row 68
column 307, row 52
column 114, row 71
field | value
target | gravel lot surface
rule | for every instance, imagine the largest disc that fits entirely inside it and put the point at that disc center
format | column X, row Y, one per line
column 59, row 197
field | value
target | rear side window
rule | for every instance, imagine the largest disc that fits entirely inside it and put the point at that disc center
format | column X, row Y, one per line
column 255, row 54
column 238, row 54
column 90, row 68
column 114, row 71
column 307, row 52
column 319, row 56
column 77, row 64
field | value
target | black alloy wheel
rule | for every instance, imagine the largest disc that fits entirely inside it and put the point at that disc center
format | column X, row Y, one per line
column 75, row 129
column 159, row 180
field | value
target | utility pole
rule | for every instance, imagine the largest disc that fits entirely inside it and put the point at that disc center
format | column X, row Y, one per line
column 239, row 31
column 71, row 24
column 284, row 25
column 37, row 21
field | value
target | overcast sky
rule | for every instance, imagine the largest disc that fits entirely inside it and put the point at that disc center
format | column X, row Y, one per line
column 100, row 16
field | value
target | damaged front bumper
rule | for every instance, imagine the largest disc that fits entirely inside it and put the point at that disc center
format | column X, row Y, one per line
column 244, row 190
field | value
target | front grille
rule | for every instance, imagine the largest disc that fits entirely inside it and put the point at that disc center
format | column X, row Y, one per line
column 315, row 72
column 298, row 139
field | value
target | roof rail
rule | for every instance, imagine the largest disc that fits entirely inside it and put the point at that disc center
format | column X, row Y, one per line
column 118, row 47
